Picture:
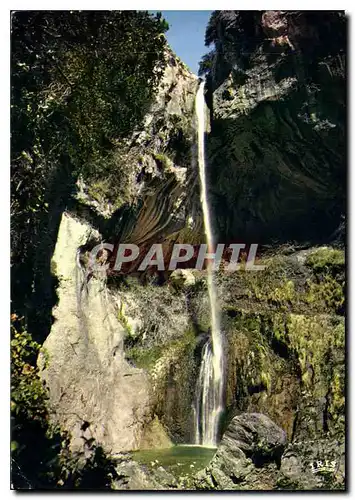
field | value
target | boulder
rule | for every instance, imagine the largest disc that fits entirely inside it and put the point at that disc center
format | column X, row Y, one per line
column 254, row 455
column 256, row 435
column 251, row 443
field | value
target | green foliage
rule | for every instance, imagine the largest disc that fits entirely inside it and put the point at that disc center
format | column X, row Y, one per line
column 34, row 445
column 286, row 338
column 325, row 259
column 41, row 455
column 265, row 349
column 28, row 395
column 319, row 343
column 206, row 63
column 163, row 160
column 280, row 286
column 232, row 34
column 327, row 287
column 187, row 342
column 271, row 285
column 253, row 362
column 81, row 81
column 108, row 179
column 125, row 323
column 85, row 77
column 328, row 292
column 146, row 357
column 283, row 294
column 143, row 357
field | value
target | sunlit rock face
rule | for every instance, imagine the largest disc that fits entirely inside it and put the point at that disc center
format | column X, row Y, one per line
column 166, row 176
column 86, row 373
column 118, row 363
column 160, row 178
column 277, row 95
column 90, row 373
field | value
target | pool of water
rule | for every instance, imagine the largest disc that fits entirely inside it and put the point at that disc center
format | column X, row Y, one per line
column 180, row 459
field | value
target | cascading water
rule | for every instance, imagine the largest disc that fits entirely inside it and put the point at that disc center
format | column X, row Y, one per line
column 209, row 390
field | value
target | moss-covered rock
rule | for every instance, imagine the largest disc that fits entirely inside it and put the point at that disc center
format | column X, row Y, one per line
column 286, row 341
column 326, row 258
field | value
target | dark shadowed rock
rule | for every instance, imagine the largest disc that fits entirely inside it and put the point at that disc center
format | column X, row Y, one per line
column 277, row 90
column 255, row 435
column 252, row 441
column 312, row 465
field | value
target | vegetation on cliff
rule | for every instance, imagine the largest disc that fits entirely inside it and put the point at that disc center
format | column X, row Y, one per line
column 286, row 329
column 98, row 99
column 81, row 81
column 41, row 453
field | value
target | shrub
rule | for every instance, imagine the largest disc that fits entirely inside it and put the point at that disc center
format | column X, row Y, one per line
column 41, row 455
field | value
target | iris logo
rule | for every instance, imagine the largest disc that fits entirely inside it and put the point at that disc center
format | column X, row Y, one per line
column 323, row 466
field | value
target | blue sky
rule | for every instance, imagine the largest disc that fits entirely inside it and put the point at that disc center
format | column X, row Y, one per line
column 186, row 34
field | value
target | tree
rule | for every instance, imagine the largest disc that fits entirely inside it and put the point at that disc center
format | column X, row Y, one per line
column 81, row 81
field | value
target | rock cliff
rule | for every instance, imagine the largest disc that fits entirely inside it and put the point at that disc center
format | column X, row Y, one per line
column 86, row 371
column 122, row 351
column 277, row 94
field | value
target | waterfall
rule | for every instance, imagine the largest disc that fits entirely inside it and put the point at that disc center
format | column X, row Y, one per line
column 209, row 390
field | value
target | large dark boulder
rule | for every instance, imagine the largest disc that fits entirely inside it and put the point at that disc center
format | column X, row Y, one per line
column 254, row 455
column 250, row 442
column 258, row 437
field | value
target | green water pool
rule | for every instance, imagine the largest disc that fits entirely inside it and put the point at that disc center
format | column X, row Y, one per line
column 180, row 459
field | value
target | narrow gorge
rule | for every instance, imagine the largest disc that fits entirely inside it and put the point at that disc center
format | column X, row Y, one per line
column 184, row 377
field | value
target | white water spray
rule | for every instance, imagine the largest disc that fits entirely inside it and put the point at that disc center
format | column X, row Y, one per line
column 209, row 390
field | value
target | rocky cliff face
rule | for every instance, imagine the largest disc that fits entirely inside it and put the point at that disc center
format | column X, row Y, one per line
column 277, row 95
column 154, row 164
column 88, row 373
column 88, row 378
column 123, row 353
